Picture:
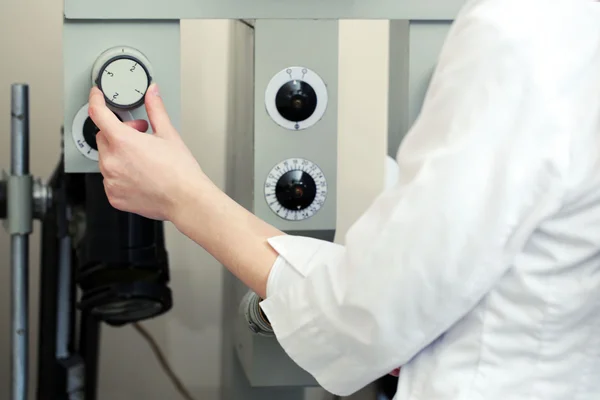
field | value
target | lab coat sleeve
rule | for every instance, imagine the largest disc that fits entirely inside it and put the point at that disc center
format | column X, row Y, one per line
column 481, row 167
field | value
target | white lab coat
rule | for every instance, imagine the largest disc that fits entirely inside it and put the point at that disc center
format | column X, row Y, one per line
column 479, row 272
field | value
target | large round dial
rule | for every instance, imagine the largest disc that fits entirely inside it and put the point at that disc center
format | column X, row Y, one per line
column 124, row 75
column 296, row 98
column 295, row 189
column 84, row 131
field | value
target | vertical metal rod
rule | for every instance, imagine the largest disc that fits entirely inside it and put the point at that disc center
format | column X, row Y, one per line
column 19, row 248
column 63, row 315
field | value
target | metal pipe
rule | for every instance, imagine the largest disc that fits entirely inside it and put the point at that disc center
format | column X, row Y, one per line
column 20, row 130
column 19, row 248
column 20, row 353
column 63, row 315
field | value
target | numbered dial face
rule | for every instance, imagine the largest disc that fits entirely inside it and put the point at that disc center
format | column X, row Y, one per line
column 295, row 189
column 84, row 131
column 296, row 98
column 123, row 75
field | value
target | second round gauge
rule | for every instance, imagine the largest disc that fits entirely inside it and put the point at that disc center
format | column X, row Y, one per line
column 296, row 98
column 295, row 189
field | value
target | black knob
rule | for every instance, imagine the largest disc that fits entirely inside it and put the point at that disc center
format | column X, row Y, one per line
column 90, row 130
column 3, row 199
column 296, row 101
column 296, row 190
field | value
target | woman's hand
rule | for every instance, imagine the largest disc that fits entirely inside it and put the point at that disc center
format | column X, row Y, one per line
column 145, row 174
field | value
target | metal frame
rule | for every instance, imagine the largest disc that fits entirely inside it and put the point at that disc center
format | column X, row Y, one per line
column 67, row 368
column 264, row 9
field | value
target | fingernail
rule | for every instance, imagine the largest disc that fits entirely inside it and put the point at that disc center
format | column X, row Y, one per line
column 154, row 90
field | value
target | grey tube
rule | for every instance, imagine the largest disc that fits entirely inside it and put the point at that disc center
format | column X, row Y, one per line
column 19, row 248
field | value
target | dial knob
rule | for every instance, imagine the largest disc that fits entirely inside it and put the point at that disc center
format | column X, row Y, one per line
column 296, row 98
column 295, row 189
column 124, row 75
column 296, row 101
column 84, row 131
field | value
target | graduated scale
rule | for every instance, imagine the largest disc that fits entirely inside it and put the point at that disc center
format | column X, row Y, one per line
column 295, row 189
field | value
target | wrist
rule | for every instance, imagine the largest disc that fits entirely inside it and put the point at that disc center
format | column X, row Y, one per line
column 187, row 199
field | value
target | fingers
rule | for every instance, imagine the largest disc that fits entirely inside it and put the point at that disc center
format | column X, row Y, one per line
column 138, row 124
column 157, row 113
column 108, row 122
column 108, row 157
column 103, row 152
column 101, row 143
column 102, row 116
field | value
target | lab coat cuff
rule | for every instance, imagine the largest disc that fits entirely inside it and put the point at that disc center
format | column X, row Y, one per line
column 303, row 253
column 301, row 326
column 282, row 276
column 304, row 333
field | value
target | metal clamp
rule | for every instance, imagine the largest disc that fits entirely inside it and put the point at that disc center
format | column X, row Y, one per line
column 29, row 198
column 19, row 216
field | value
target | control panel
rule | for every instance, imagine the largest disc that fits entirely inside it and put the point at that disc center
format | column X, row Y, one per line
column 285, row 172
column 121, row 58
column 295, row 125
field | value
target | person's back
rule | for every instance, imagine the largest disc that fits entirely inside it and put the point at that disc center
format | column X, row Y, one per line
column 536, row 334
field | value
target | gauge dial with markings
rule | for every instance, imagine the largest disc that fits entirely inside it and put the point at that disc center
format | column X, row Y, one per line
column 124, row 75
column 296, row 98
column 295, row 189
column 84, row 131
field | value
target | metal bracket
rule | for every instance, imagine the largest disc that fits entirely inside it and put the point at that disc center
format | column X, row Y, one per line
column 22, row 199
column 19, row 219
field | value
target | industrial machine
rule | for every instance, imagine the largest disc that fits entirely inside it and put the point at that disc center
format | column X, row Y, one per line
column 282, row 167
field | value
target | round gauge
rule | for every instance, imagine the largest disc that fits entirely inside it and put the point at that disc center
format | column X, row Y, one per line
column 124, row 75
column 296, row 98
column 84, row 131
column 295, row 189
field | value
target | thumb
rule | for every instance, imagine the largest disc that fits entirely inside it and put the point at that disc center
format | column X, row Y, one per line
column 157, row 114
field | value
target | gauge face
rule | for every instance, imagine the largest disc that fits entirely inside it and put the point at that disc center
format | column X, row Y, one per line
column 124, row 81
column 84, row 131
column 295, row 189
column 296, row 98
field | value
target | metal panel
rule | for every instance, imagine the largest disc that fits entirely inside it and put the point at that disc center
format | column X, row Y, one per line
column 260, row 368
column 263, row 9
column 84, row 41
column 281, row 44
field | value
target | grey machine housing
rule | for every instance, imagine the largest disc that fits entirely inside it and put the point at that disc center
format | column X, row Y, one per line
column 286, row 34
